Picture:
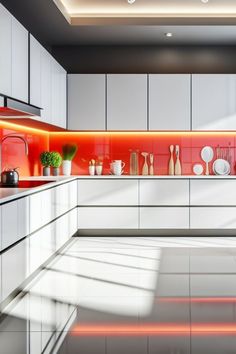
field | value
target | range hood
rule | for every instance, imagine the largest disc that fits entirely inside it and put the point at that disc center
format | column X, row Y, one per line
column 12, row 108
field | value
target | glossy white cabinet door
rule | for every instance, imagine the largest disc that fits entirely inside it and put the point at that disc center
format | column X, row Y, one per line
column 164, row 192
column 213, row 218
column 213, row 102
column 86, row 101
column 34, row 242
column 19, row 61
column 169, row 101
column 14, row 268
column 65, row 227
column 55, row 92
column 62, row 122
column 73, row 194
column 15, row 221
column 62, row 198
column 107, row 192
column 6, row 51
column 164, row 218
column 47, row 206
column 108, row 218
column 46, row 91
column 213, row 192
column 127, row 102
column 35, row 212
column 35, row 72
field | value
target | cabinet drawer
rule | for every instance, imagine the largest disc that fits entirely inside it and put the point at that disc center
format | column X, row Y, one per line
column 164, row 192
column 108, row 192
column 108, row 218
column 213, row 218
column 15, row 221
column 164, row 218
column 210, row 192
column 14, row 268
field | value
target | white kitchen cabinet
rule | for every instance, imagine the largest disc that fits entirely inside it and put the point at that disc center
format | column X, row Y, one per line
column 169, row 101
column 87, row 102
column 65, row 227
column 213, row 192
column 108, row 192
column 35, row 212
column 213, row 218
column 46, row 86
column 73, row 194
column 61, row 199
column 35, row 72
column 108, row 218
column 14, row 268
column 164, row 192
column 127, row 102
column 15, row 221
column 213, row 102
column 62, row 122
column 58, row 94
column 19, row 61
column 164, row 218
column 6, row 51
column 34, row 250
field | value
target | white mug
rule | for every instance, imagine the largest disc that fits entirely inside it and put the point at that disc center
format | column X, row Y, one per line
column 117, row 167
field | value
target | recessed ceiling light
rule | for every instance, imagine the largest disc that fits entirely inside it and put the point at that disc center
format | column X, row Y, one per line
column 131, row 1
column 169, row 34
column 204, row 1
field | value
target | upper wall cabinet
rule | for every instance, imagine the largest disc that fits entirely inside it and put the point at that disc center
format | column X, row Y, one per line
column 13, row 57
column 127, row 102
column 169, row 102
column 48, row 88
column 86, row 102
column 5, row 52
column 19, row 61
column 214, row 102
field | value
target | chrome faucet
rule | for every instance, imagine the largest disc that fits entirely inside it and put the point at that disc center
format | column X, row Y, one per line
column 12, row 136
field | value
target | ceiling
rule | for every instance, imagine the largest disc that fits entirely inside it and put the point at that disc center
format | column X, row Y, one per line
column 47, row 24
column 79, row 12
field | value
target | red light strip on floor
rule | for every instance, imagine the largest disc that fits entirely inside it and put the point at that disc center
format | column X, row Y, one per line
column 211, row 300
column 155, row 330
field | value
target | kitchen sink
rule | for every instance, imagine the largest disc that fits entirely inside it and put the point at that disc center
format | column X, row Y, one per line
column 28, row 184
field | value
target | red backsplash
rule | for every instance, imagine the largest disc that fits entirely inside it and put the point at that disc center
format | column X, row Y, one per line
column 13, row 151
column 117, row 145
column 108, row 146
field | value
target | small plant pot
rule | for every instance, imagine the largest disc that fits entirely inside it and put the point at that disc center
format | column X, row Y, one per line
column 55, row 171
column 99, row 170
column 46, row 171
column 66, row 167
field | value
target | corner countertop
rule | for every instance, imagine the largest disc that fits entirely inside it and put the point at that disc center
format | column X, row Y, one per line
column 9, row 194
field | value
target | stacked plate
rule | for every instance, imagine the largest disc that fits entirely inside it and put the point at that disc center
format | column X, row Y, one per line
column 221, row 167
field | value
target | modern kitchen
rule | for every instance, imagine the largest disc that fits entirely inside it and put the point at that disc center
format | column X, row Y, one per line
column 118, row 176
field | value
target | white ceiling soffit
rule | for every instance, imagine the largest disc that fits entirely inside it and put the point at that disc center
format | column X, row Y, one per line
column 148, row 12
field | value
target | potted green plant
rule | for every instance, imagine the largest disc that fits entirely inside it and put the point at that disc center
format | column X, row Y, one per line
column 56, row 161
column 45, row 158
column 68, row 153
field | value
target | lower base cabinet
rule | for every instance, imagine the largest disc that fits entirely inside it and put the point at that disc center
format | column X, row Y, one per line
column 213, row 218
column 164, row 218
column 45, row 242
column 108, row 218
column 14, row 268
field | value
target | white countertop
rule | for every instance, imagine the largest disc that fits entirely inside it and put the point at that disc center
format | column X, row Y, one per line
column 8, row 194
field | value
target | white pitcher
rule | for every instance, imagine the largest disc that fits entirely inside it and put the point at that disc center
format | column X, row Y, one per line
column 117, row 167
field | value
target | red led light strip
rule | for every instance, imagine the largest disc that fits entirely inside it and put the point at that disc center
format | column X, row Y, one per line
column 197, row 329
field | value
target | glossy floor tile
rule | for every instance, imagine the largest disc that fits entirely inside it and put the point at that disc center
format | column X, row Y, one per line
column 141, row 295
